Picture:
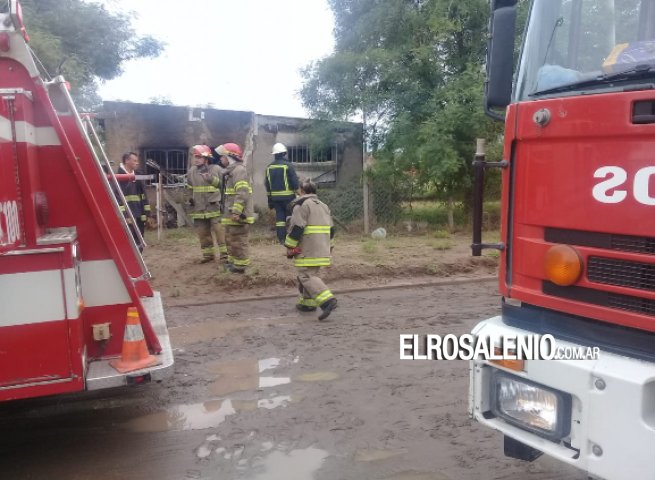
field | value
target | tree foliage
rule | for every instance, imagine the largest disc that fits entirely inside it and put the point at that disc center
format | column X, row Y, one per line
column 84, row 42
column 413, row 69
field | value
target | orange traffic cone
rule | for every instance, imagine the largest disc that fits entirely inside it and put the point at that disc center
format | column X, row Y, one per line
column 135, row 355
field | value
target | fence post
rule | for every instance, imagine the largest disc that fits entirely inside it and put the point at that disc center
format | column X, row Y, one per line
column 367, row 220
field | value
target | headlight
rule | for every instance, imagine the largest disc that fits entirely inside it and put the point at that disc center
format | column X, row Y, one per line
column 531, row 406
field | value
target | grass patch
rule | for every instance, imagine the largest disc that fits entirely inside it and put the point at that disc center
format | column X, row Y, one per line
column 441, row 234
column 370, row 247
column 442, row 244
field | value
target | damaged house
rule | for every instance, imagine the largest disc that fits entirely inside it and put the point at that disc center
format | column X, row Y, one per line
column 163, row 134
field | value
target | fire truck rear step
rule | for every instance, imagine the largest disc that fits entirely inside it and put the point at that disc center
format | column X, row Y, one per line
column 101, row 375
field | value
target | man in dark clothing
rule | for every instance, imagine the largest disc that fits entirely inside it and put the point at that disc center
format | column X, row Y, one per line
column 135, row 196
column 281, row 186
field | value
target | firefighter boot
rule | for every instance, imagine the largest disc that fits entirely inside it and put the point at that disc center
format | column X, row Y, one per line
column 327, row 308
column 305, row 308
column 234, row 269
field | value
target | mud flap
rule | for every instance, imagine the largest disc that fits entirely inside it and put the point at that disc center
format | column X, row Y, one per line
column 520, row 451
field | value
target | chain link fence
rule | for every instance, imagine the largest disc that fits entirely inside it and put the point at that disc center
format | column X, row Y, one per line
column 398, row 209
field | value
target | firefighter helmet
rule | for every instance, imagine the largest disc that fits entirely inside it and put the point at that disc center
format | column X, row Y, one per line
column 279, row 148
column 201, row 150
column 231, row 150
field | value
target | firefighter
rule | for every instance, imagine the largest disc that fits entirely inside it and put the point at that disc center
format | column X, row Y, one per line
column 238, row 213
column 309, row 242
column 204, row 180
column 135, row 196
column 281, row 186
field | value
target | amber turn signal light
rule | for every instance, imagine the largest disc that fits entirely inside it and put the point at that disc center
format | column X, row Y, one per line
column 563, row 265
column 516, row 364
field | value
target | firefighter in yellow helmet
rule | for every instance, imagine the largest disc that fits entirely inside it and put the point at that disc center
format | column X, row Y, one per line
column 204, row 180
column 309, row 242
column 238, row 212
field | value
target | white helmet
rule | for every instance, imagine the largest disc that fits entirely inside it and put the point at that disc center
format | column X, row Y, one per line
column 279, row 148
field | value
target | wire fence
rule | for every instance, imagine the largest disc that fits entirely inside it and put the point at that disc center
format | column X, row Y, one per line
column 393, row 208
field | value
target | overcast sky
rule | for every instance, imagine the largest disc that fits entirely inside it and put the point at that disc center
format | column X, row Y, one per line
column 234, row 54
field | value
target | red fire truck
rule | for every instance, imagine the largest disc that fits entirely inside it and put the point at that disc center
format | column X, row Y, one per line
column 578, row 235
column 69, row 268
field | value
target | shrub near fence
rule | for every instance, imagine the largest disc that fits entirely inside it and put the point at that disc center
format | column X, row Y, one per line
column 395, row 211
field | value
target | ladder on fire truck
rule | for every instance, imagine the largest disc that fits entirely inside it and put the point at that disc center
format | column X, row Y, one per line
column 79, row 142
column 95, row 145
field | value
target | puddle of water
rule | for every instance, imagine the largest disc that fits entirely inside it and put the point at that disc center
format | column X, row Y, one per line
column 237, row 376
column 295, row 465
column 203, row 451
column 201, row 416
column 265, row 382
column 197, row 416
column 375, row 455
column 317, row 377
column 243, row 375
column 268, row 363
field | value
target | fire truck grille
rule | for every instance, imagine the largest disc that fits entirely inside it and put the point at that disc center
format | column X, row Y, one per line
column 621, row 273
column 633, row 244
column 604, row 299
column 633, row 304
column 610, row 241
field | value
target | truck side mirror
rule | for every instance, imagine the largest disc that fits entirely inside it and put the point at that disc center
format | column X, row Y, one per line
column 500, row 56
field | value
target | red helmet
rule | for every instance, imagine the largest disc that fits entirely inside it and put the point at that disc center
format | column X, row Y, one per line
column 202, row 150
column 231, row 150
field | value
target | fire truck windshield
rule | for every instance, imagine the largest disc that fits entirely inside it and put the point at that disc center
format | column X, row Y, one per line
column 586, row 45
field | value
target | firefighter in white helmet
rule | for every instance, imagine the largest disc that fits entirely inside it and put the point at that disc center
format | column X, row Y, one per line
column 204, row 180
column 309, row 242
column 281, row 186
column 238, row 211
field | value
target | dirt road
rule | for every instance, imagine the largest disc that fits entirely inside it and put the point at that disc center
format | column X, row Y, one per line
column 263, row 392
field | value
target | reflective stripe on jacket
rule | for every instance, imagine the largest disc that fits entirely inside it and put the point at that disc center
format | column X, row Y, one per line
column 238, row 196
column 281, row 180
column 135, row 196
column 311, row 229
column 206, row 192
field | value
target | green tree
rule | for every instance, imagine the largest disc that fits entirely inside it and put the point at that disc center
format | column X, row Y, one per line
column 413, row 69
column 84, row 42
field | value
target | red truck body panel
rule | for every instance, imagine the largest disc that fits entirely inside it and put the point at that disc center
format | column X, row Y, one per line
column 558, row 174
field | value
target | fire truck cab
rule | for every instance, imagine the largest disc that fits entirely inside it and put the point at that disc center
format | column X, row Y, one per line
column 578, row 236
column 69, row 267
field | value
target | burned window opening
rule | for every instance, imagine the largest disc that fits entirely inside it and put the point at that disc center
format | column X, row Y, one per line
column 305, row 154
column 171, row 161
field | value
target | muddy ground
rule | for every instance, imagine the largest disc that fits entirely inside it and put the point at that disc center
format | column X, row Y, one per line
column 263, row 392
column 358, row 262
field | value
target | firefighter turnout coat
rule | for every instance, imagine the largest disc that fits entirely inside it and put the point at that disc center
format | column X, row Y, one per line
column 312, row 230
column 238, row 196
column 135, row 196
column 281, row 181
column 206, row 193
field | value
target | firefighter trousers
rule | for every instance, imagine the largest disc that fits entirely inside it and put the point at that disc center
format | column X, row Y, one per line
column 141, row 225
column 281, row 209
column 313, row 292
column 204, row 229
column 237, row 246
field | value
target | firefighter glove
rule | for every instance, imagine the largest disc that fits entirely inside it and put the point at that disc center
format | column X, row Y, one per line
column 292, row 252
column 192, row 202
